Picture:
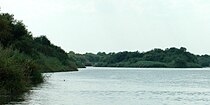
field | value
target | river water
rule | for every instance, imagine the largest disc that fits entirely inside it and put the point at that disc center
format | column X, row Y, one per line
column 123, row 86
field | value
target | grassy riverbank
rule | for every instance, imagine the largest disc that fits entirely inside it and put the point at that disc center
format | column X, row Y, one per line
column 23, row 57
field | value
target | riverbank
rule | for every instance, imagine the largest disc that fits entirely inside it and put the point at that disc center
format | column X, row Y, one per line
column 23, row 57
column 18, row 73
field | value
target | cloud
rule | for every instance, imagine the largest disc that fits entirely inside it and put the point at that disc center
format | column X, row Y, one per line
column 139, row 23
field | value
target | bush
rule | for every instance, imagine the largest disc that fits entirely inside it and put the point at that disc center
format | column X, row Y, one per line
column 17, row 72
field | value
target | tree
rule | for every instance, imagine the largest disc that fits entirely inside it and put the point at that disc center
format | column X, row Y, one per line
column 183, row 49
column 5, row 29
column 42, row 40
column 19, row 30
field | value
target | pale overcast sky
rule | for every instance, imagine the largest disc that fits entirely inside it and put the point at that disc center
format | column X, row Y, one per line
column 117, row 25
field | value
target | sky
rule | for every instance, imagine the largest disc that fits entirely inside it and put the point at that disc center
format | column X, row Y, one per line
column 117, row 25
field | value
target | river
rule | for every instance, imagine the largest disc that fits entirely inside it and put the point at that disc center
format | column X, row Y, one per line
column 122, row 86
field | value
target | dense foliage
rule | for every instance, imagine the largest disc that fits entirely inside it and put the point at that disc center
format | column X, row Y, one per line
column 204, row 60
column 170, row 57
column 23, row 57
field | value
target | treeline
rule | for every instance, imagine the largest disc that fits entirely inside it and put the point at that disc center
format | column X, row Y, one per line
column 170, row 58
column 23, row 57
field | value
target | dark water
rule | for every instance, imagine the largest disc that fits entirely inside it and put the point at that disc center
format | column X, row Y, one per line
column 123, row 86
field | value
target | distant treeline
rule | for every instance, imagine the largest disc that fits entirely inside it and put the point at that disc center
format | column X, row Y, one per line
column 169, row 58
column 23, row 58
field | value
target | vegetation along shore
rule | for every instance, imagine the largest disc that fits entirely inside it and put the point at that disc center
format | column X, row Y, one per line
column 23, row 57
column 168, row 58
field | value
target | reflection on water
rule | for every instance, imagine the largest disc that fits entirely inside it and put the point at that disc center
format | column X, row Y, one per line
column 123, row 86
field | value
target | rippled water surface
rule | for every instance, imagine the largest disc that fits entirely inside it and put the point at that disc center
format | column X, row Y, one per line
column 123, row 86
